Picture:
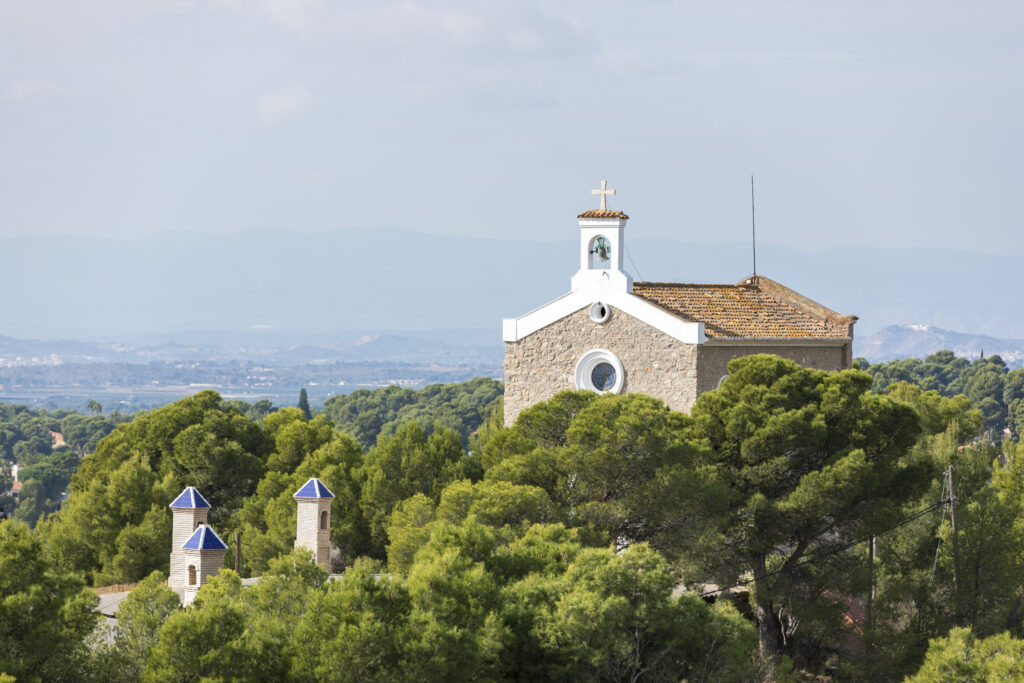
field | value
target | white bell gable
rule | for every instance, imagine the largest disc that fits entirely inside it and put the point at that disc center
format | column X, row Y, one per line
column 602, row 279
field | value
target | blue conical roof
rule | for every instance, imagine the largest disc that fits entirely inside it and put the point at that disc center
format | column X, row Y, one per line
column 190, row 498
column 204, row 538
column 314, row 488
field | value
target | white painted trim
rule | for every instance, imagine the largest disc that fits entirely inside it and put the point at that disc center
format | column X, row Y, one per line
column 602, row 223
column 589, row 361
column 514, row 329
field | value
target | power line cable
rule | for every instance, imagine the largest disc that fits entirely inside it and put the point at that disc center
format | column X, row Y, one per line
column 822, row 556
column 630, row 257
column 938, row 542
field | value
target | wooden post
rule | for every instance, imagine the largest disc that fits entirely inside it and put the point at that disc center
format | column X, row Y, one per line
column 238, row 552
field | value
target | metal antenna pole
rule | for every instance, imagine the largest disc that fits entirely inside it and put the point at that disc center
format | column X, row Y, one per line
column 753, row 226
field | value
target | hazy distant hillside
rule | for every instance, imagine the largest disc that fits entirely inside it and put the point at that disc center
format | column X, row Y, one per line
column 918, row 341
column 388, row 279
column 254, row 346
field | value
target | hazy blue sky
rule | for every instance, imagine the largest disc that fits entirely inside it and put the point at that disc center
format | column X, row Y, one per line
column 875, row 123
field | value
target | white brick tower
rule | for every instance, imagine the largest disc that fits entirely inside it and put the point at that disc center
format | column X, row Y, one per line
column 313, row 522
column 190, row 510
column 203, row 556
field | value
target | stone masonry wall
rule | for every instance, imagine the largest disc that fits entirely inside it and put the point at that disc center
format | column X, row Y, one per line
column 544, row 363
column 713, row 360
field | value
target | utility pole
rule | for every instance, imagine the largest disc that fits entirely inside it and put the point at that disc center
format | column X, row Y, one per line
column 871, row 577
column 956, row 542
column 869, row 631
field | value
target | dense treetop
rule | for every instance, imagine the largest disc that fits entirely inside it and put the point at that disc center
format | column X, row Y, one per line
column 993, row 389
column 575, row 544
column 115, row 526
column 366, row 413
column 45, row 615
column 27, row 438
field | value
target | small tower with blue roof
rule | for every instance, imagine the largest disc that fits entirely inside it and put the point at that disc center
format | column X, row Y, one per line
column 313, row 522
column 189, row 511
column 204, row 556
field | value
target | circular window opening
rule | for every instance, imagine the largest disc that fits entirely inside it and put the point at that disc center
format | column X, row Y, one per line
column 600, row 313
column 603, row 376
column 600, row 371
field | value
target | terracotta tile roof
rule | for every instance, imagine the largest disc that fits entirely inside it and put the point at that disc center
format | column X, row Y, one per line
column 606, row 213
column 748, row 310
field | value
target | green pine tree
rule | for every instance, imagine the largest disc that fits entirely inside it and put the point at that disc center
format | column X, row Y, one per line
column 304, row 404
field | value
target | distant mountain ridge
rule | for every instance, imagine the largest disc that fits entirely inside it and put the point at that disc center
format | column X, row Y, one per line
column 443, row 347
column 918, row 341
column 273, row 350
column 316, row 284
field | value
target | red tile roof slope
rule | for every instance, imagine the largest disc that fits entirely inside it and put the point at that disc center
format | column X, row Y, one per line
column 603, row 213
column 757, row 308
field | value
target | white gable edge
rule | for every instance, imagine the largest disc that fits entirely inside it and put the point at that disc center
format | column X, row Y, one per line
column 514, row 329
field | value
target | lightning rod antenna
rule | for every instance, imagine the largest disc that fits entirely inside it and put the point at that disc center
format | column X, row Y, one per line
column 753, row 227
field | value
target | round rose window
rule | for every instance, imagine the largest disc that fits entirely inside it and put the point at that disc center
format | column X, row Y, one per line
column 603, row 376
column 601, row 371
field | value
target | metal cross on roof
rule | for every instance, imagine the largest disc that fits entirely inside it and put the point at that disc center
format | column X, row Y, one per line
column 604, row 192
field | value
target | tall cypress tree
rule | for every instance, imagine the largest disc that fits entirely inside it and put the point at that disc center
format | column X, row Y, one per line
column 304, row 404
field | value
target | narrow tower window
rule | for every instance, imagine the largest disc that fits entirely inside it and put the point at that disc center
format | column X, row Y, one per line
column 323, row 519
column 191, row 575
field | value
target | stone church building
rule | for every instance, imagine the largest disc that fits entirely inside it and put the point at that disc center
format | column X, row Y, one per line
column 672, row 341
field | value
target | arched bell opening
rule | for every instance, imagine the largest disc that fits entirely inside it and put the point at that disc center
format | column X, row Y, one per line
column 600, row 253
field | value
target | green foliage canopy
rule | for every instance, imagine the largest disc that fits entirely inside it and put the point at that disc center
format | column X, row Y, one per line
column 407, row 463
column 961, row 656
column 987, row 382
column 365, row 414
column 45, row 614
column 811, row 460
column 115, row 527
